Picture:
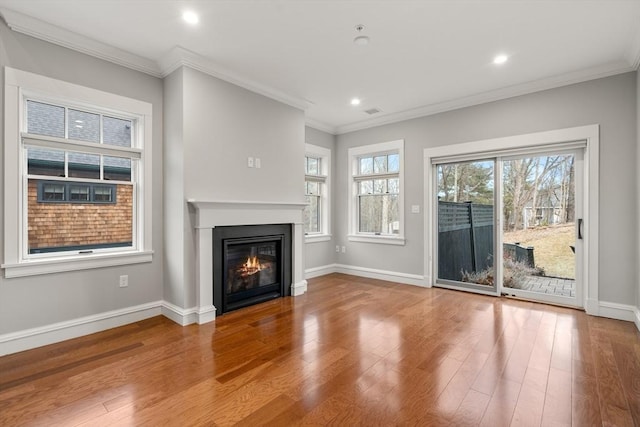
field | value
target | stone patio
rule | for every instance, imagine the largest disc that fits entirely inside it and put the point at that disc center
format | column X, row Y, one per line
column 550, row 285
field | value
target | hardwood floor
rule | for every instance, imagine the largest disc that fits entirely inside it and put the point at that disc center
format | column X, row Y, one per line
column 351, row 351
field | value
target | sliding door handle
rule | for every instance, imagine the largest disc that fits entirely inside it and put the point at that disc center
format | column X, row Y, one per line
column 580, row 228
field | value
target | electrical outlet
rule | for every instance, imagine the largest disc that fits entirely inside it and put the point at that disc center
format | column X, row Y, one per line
column 124, row 281
column 337, row 248
column 258, row 163
column 415, row 208
column 249, row 162
column 344, row 249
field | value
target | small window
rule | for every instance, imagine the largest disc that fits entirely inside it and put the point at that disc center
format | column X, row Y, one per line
column 316, row 214
column 79, row 193
column 103, row 194
column 376, row 204
column 75, row 192
column 53, row 192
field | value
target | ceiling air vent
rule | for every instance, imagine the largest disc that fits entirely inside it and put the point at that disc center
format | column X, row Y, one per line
column 371, row 111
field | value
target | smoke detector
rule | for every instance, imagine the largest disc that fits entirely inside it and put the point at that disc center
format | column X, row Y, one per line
column 360, row 40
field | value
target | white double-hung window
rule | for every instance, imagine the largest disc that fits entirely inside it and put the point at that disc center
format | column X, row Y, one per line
column 77, row 177
column 317, row 167
column 376, row 202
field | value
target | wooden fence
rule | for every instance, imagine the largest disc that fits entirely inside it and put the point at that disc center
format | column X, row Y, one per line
column 465, row 238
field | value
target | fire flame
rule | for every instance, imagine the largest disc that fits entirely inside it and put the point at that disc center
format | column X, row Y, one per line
column 252, row 266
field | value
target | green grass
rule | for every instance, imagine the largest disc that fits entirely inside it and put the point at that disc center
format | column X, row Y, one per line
column 551, row 248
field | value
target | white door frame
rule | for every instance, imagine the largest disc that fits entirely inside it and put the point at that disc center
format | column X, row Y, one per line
column 512, row 145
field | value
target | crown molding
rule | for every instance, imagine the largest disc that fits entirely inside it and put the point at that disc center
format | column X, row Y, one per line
column 494, row 95
column 633, row 53
column 181, row 57
column 321, row 126
column 176, row 58
column 57, row 35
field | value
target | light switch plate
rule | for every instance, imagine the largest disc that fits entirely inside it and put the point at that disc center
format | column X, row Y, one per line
column 415, row 208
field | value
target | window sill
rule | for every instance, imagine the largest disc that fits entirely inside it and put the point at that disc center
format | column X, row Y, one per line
column 48, row 266
column 315, row 238
column 385, row 240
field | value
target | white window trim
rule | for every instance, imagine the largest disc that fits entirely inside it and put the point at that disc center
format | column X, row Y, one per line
column 18, row 83
column 325, row 206
column 353, row 154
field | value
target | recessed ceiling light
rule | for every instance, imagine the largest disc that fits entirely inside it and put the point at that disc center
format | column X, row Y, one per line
column 500, row 59
column 355, row 101
column 190, row 17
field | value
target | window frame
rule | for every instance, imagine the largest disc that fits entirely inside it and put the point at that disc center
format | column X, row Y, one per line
column 354, row 156
column 19, row 86
column 324, row 154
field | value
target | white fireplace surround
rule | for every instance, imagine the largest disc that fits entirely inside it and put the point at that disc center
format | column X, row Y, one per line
column 211, row 214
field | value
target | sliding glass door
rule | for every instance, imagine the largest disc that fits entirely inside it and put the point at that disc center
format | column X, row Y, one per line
column 511, row 224
column 466, row 225
column 541, row 230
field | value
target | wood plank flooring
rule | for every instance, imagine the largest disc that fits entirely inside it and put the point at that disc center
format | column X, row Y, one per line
column 351, row 351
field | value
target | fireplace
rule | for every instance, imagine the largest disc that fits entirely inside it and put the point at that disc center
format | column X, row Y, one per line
column 252, row 265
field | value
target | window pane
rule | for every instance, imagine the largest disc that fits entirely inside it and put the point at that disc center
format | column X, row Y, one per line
column 312, row 215
column 53, row 192
column 102, row 194
column 83, row 165
column 79, row 192
column 313, row 166
column 365, row 187
column 380, row 164
column 55, row 227
column 45, row 119
column 117, row 168
column 379, row 214
column 394, row 163
column 42, row 161
column 366, row 165
column 116, row 131
column 393, row 185
column 84, row 126
column 379, row 186
column 313, row 188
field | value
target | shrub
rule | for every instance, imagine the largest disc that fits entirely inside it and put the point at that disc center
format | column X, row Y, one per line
column 515, row 274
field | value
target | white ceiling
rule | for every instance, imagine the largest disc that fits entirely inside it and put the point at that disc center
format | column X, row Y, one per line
column 424, row 56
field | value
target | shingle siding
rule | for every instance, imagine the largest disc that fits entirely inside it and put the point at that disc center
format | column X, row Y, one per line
column 75, row 224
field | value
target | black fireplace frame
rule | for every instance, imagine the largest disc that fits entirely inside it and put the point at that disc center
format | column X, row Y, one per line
column 225, row 236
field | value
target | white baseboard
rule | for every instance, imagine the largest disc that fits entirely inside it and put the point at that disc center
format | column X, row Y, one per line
column 37, row 337
column 182, row 316
column 616, row 311
column 187, row 316
column 592, row 307
column 636, row 318
column 206, row 314
column 372, row 273
column 299, row 288
column 391, row 276
column 323, row 270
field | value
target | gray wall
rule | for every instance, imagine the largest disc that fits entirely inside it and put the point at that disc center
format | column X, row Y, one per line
column 610, row 102
column 637, row 277
column 175, row 209
column 319, row 254
column 212, row 127
column 41, row 300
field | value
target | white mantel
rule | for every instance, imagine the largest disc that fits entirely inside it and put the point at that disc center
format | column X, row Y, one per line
column 211, row 214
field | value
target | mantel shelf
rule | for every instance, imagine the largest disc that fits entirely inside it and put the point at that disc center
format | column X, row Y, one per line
column 242, row 204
